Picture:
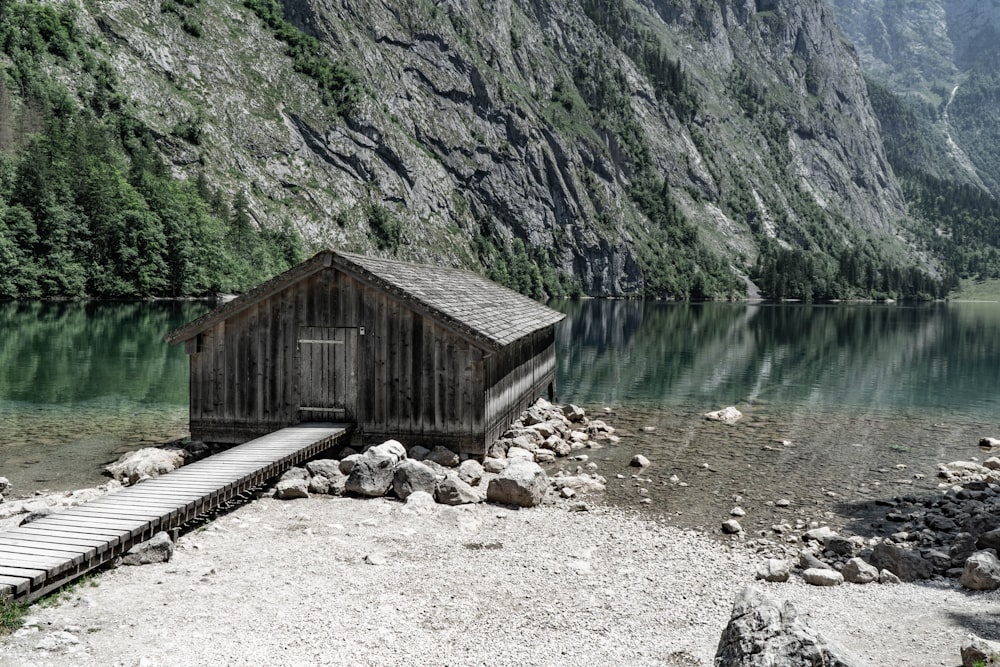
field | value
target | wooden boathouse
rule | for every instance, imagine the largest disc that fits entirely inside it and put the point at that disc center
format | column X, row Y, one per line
column 423, row 354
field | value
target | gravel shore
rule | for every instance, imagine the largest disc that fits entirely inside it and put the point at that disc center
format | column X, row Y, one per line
column 343, row 581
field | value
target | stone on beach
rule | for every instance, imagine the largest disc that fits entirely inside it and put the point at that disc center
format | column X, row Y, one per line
column 144, row 463
column 157, row 549
column 822, row 577
column 639, row 461
column 762, row 633
column 729, row 415
column 906, row 564
column 857, row 571
column 371, row 475
column 774, row 570
column 521, row 483
column 410, row 476
column 982, row 572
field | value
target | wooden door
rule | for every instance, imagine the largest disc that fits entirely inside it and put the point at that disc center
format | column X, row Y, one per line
column 328, row 374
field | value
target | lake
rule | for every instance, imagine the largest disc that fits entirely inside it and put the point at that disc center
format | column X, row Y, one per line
column 837, row 398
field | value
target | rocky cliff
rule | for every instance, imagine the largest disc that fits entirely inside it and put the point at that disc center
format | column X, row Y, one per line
column 607, row 147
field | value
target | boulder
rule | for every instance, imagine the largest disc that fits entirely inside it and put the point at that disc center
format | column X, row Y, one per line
column 520, row 453
column 729, row 415
column 347, row 463
column 639, row 461
column 989, row 443
column 143, row 463
column 493, row 466
column 557, row 446
column 371, row 475
column 157, row 549
column 774, row 570
column 328, row 468
column 982, row 572
column 521, row 483
column 906, row 564
column 420, row 502
column 989, row 540
column 418, row 452
column 857, row 571
column 294, row 474
column 977, row 652
column 581, row 483
column 409, row 476
column 389, row 448
column 471, row 472
column 544, row 456
column 289, row 489
column 762, row 633
column 453, row 491
column 731, row 527
column 887, row 577
column 574, row 413
column 4, row 485
column 818, row 576
column 443, row 457
column 319, row 484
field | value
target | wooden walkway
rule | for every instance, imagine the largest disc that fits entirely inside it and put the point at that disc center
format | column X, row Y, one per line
column 49, row 552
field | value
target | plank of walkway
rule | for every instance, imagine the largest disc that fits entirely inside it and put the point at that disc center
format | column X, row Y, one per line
column 52, row 550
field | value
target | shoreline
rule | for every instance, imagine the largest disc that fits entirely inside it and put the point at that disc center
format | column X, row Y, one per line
column 334, row 580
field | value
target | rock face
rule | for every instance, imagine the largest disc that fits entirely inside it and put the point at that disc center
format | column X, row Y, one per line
column 500, row 127
column 762, row 633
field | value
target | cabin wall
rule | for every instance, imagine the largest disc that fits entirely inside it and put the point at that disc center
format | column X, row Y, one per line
column 516, row 376
column 416, row 380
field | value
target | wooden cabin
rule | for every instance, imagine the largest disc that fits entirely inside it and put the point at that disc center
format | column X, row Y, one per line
column 422, row 354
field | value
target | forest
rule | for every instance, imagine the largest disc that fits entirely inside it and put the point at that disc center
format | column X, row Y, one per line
column 88, row 207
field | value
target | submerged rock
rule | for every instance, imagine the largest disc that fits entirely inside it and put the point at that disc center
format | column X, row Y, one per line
column 729, row 415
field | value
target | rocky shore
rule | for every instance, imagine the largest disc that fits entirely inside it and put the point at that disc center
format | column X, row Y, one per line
column 423, row 571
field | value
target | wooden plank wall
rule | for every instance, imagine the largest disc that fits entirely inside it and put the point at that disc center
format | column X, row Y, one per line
column 417, row 380
column 516, row 377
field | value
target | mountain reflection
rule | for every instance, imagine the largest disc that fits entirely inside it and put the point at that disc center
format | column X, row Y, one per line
column 942, row 358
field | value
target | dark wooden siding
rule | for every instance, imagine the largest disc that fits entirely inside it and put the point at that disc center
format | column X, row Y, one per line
column 417, row 380
column 516, row 376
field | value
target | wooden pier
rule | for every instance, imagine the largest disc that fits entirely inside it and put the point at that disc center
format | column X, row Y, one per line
column 51, row 551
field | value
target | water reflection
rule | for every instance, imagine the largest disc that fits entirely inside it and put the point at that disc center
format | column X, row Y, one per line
column 81, row 382
column 942, row 358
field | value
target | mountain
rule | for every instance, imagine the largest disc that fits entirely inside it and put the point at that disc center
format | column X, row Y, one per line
column 669, row 148
column 934, row 78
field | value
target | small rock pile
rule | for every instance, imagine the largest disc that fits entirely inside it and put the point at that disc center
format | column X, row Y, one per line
column 956, row 535
column 149, row 462
column 510, row 473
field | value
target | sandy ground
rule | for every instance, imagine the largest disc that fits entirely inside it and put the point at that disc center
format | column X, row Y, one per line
column 339, row 581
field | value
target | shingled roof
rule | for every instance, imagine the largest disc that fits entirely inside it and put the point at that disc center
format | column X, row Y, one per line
column 484, row 311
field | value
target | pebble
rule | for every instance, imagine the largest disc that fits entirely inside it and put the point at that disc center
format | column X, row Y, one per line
column 782, row 502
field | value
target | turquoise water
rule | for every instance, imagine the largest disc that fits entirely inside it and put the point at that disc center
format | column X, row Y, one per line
column 82, row 382
column 858, row 390
column 938, row 360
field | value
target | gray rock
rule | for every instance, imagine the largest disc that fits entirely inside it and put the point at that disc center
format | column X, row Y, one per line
column 521, row 483
column 977, row 652
column 35, row 515
column 544, row 456
column 557, row 446
column 728, row 415
column 4, row 485
column 639, row 461
column 581, row 483
column 409, row 476
column 887, row 577
column 982, row 572
column 963, row 546
column 520, row 453
column 857, row 571
column 319, row 484
column 940, row 561
column 371, row 475
column 295, row 473
column 471, row 472
column 808, row 560
column 157, row 549
column 762, row 633
column 840, row 545
column 143, row 463
column 493, row 466
column 906, row 564
column 574, row 413
column 821, row 534
column 420, row 502
column 818, row 576
column 57, row 641
column 389, row 448
column 443, row 457
column 731, row 527
column 418, row 452
column 989, row 540
column 328, row 468
column 453, row 491
column 347, row 463
column 989, row 443
column 289, row 489
column 775, row 570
